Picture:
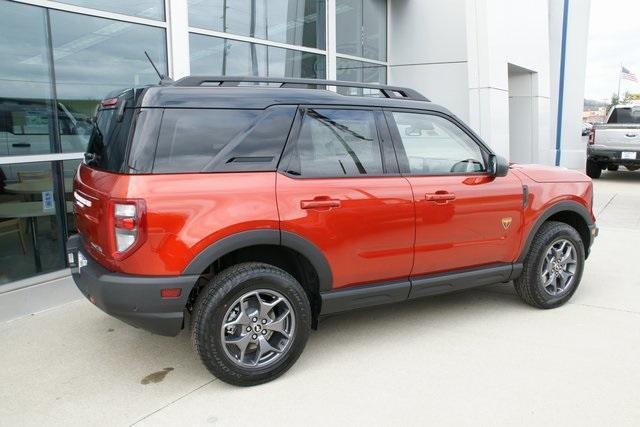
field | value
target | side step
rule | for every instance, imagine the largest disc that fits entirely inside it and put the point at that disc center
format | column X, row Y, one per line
column 417, row 287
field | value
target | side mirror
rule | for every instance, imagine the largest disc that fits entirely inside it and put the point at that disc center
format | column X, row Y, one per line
column 498, row 165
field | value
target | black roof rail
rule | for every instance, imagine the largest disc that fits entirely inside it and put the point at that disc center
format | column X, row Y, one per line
column 394, row 92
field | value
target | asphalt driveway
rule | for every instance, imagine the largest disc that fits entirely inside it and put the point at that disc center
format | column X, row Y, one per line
column 478, row 357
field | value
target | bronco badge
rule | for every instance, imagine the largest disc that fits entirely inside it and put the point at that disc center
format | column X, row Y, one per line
column 506, row 222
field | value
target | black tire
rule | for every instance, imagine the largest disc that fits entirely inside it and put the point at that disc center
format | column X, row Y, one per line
column 212, row 305
column 613, row 168
column 529, row 286
column 593, row 169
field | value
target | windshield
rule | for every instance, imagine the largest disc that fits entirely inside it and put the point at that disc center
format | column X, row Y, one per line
column 625, row 115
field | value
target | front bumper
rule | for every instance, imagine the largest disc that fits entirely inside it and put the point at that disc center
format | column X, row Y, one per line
column 133, row 299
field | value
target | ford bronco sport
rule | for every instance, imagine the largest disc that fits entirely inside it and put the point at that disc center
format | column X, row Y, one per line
column 245, row 209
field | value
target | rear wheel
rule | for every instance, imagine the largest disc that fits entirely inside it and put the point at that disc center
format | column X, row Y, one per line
column 612, row 168
column 251, row 323
column 553, row 267
column 593, row 169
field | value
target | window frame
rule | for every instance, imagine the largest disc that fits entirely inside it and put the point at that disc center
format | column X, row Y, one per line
column 403, row 160
column 388, row 157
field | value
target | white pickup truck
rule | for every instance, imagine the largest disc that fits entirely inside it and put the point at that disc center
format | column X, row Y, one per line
column 615, row 143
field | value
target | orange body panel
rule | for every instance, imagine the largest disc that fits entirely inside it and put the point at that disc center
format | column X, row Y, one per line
column 367, row 238
column 468, row 230
column 184, row 214
column 369, row 229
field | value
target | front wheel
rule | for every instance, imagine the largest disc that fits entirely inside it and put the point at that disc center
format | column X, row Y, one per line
column 553, row 267
column 593, row 169
column 251, row 323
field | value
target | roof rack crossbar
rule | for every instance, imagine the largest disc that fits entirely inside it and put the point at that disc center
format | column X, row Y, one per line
column 395, row 92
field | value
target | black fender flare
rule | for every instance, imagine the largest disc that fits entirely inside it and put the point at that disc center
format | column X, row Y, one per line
column 249, row 238
column 563, row 206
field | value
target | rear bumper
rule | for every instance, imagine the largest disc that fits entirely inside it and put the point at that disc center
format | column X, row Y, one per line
column 612, row 156
column 133, row 299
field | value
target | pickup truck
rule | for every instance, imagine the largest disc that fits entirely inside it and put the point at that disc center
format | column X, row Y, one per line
column 615, row 143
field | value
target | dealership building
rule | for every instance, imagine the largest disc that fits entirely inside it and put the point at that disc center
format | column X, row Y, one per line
column 512, row 69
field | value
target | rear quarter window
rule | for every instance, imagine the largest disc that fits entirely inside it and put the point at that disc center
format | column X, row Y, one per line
column 219, row 140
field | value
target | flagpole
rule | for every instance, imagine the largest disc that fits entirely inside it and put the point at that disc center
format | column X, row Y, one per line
column 619, row 80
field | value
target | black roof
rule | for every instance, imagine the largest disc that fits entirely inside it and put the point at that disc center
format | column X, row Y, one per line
column 232, row 92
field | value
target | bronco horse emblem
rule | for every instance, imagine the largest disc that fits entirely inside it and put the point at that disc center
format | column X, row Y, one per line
column 506, row 222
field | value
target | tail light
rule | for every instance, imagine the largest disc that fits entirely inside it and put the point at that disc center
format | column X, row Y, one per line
column 128, row 226
column 592, row 136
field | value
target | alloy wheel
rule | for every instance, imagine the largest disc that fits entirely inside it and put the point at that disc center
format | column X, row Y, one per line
column 258, row 328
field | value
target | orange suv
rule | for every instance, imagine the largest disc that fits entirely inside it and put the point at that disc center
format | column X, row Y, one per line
column 249, row 208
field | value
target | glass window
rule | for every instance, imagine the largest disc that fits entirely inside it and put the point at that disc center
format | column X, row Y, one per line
column 334, row 143
column 25, row 86
column 217, row 56
column 625, row 115
column 30, row 236
column 361, row 72
column 361, row 28
column 189, row 139
column 297, row 22
column 150, row 9
column 94, row 57
column 435, row 145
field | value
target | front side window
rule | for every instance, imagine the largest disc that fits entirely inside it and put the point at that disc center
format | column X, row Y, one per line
column 337, row 143
column 437, row 146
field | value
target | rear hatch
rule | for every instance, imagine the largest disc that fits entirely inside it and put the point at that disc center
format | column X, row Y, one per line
column 101, row 179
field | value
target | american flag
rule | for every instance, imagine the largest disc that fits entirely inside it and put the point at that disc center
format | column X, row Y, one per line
column 628, row 75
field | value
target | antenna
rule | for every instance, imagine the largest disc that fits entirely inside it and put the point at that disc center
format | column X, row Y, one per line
column 154, row 66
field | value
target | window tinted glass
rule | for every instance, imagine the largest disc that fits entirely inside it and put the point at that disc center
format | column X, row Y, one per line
column 361, row 72
column 337, row 143
column 218, row 56
column 361, row 28
column 107, row 145
column 298, row 22
column 150, row 9
column 625, row 115
column 189, row 139
column 96, row 56
column 435, row 145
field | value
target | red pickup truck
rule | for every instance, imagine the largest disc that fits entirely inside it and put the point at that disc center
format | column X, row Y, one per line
column 245, row 209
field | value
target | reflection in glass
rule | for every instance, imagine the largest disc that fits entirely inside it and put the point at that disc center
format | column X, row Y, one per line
column 25, row 86
column 94, row 57
column 217, row 56
column 361, row 28
column 361, row 72
column 298, row 22
column 150, row 9
column 30, row 237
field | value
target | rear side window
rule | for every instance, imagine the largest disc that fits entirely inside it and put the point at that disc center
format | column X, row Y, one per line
column 337, row 143
column 630, row 115
column 190, row 138
column 222, row 140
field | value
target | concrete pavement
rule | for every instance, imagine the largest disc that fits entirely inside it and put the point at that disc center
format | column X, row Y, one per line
column 477, row 357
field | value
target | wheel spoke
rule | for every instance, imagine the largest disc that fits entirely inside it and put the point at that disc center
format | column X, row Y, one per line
column 241, row 342
column 278, row 325
column 240, row 320
column 266, row 307
column 550, row 280
column 265, row 347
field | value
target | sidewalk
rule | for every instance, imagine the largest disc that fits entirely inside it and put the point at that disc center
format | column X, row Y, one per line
column 478, row 357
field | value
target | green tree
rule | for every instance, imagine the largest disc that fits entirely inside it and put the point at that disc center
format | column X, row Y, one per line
column 630, row 97
column 615, row 100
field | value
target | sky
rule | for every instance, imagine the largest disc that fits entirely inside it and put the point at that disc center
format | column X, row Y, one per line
column 614, row 39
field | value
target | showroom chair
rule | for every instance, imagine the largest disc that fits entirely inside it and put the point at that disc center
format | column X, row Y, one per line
column 13, row 226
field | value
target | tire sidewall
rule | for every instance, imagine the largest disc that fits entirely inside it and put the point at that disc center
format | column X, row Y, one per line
column 216, row 305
